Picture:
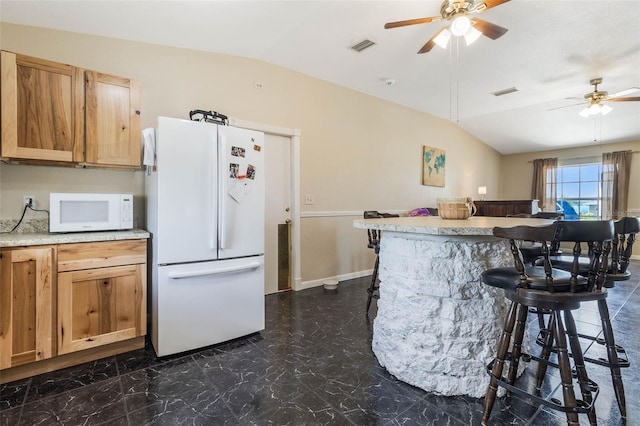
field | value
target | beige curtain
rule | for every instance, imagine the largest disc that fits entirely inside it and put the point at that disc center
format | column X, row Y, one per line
column 544, row 186
column 616, row 170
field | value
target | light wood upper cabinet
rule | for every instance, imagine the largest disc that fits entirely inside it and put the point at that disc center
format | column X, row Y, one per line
column 53, row 112
column 101, row 293
column 41, row 109
column 112, row 120
column 26, row 306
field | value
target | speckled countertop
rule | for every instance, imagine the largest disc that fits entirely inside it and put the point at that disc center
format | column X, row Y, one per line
column 36, row 239
column 434, row 225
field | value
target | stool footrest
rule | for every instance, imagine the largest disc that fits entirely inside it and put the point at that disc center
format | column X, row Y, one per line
column 581, row 405
column 623, row 358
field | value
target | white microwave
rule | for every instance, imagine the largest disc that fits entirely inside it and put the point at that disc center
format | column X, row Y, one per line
column 76, row 212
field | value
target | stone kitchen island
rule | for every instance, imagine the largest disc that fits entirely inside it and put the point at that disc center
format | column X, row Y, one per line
column 437, row 325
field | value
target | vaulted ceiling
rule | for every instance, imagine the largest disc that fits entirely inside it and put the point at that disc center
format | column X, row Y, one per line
column 550, row 52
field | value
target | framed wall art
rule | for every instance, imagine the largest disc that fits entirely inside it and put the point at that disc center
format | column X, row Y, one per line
column 433, row 162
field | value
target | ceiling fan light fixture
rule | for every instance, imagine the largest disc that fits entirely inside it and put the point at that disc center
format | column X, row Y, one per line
column 442, row 38
column 471, row 35
column 594, row 109
column 460, row 25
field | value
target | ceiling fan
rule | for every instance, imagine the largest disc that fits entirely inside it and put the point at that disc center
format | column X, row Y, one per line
column 456, row 11
column 594, row 100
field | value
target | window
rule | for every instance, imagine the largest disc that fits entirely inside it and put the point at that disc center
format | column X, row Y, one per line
column 578, row 191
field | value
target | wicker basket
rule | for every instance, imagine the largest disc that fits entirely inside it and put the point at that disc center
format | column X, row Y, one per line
column 455, row 208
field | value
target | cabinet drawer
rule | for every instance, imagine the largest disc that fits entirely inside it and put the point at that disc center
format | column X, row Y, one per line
column 74, row 257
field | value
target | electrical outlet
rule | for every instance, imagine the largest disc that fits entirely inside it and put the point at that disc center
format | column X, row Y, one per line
column 29, row 200
column 308, row 199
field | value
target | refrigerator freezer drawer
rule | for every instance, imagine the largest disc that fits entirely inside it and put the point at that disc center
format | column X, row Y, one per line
column 201, row 304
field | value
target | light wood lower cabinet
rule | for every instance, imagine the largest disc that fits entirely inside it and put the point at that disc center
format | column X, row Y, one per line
column 26, row 306
column 99, row 303
column 100, row 306
column 71, row 303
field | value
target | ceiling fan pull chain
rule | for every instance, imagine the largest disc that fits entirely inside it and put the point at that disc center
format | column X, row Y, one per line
column 451, row 82
column 457, row 80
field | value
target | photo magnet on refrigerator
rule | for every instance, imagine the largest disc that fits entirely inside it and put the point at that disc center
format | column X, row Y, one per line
column 233, row 170
column 251, row 172
column 237, row 151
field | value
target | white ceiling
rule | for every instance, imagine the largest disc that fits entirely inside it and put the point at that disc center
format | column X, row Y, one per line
column 551, row 51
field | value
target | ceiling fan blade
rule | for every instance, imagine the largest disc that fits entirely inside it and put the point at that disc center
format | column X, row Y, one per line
column 488, row 29
column 488, row 4
column 428, row 45
column 625, row 92
column 633, row 99
column 566, row 106
column 397, row 24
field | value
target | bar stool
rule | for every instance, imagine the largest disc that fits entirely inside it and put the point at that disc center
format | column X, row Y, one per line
column 374, row 237
column 559, row 292
column 533, row 251
column 625, row 231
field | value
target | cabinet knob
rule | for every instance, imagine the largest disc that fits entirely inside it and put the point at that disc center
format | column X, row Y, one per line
column 137, row 112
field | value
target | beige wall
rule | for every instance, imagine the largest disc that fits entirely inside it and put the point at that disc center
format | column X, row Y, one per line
column 519, row 166
column 357, row 152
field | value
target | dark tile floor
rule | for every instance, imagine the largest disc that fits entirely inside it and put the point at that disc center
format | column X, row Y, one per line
column 312, row 365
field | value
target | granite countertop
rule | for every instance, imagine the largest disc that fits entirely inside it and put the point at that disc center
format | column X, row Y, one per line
column 434, row 225
column 36, row 239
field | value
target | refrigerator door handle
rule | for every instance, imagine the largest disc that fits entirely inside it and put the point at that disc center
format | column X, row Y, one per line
column 222, row 195
column 214, row 271
column 213, row 243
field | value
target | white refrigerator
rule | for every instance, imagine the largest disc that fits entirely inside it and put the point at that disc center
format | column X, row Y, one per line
column 205, row 211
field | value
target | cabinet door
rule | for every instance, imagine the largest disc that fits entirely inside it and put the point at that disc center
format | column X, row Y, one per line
column 112, row 120
column 41, row 109
column 100, row 306
column 26, row 314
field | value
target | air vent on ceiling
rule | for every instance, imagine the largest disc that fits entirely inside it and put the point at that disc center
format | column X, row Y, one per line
column 505, row 91
column 364, row 44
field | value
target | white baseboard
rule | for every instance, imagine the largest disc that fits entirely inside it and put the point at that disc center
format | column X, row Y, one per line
column 344, row 277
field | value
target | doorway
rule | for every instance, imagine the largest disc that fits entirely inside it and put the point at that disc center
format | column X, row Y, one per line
column 277, row 238
column 282, row 205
